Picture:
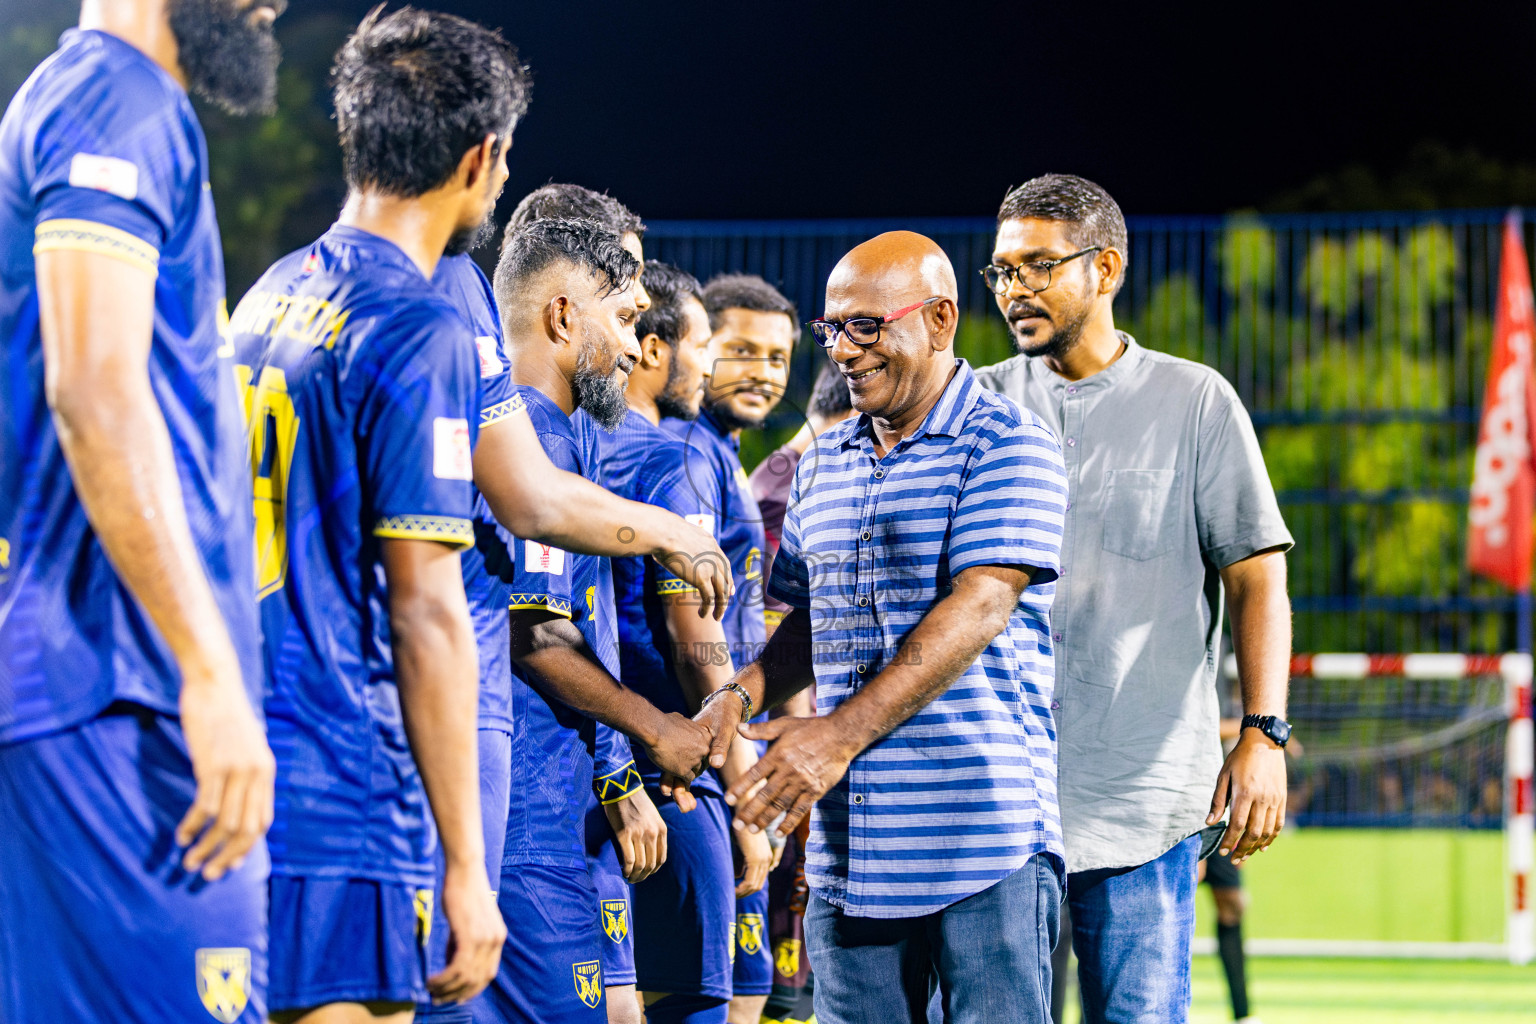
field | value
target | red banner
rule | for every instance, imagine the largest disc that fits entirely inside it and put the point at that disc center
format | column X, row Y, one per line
column 1504, row 475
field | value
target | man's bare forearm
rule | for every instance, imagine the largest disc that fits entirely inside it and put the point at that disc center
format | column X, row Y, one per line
column 939, row 649
column 786, row 665
column 700, row 652
column 556, row 653
column 437, row 673
column 1260, row 611
column 115, row 440
column 538, row 500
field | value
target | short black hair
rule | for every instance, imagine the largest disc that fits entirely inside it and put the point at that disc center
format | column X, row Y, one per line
column 746, row 291
column 670, row 289
column 1094, row 216
column 829, row 395
column 415, row 91
column 560, row 201
column 581, row 243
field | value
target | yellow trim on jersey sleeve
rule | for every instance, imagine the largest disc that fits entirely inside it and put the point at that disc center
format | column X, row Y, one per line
column 665, row 587
column 772, row 617
column 501, row 410
column 542, row 602
column 68, row 235
column 617, row 785
column 460, row 533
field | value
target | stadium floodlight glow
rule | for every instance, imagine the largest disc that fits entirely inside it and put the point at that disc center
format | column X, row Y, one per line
column 1509, row 706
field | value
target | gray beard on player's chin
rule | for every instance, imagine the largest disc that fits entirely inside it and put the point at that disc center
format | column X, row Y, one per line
column 601, row 395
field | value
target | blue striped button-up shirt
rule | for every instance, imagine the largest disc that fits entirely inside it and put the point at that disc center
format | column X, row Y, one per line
column 964, row 792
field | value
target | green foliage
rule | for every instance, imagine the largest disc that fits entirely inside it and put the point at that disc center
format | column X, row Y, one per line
column 983, row 340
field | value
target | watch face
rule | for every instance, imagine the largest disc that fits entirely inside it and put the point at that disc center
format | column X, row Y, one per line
column 1279, row 730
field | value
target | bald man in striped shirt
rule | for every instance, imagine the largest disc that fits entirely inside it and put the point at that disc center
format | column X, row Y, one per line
column 919, row 556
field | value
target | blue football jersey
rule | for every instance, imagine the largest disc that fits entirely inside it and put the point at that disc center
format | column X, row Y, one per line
column 100, row 151
column 487, row 587
column 554, row 747
column 644, row 463
column 363, row 389
column 732, row 515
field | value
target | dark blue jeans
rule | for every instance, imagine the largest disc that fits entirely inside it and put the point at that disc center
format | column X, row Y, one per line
column 1132, row 928
column 990, row 955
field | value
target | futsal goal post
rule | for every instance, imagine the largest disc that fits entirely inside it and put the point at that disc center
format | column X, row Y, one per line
column 1392, row 743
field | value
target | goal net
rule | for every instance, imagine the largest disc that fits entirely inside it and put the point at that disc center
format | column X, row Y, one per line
column 1431, row 741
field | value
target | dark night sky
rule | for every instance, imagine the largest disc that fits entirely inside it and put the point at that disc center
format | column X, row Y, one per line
column 718, row 109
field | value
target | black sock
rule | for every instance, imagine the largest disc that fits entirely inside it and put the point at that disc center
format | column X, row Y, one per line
column 1229, row 941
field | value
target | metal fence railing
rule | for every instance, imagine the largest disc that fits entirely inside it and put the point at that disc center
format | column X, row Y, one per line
column 1358, row 342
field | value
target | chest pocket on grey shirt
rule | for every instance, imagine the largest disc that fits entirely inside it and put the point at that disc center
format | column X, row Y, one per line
column 1139, row 513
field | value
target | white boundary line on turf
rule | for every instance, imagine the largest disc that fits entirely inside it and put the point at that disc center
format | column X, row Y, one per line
column 1364, row 949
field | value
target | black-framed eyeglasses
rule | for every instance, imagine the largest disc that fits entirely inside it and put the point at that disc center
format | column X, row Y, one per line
column 1035, row 277
column 863, row 331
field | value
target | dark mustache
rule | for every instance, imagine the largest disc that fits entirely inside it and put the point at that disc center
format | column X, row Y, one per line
column 1021, row 309
column 625, row 364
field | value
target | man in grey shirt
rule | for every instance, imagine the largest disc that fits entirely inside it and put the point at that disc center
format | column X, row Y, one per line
column 1169, row 510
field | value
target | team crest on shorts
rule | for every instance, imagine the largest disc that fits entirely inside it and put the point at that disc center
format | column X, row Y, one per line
column 424, row 899
column 786, row 957
column 615, row 919
column 749, row 933
column 224, row 982
column 589, row 982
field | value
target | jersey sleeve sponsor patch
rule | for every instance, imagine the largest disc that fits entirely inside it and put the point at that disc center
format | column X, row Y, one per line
column 490, row 359
column 543, row 558
column 452, row 458
column 105, row 174
column 703, row 521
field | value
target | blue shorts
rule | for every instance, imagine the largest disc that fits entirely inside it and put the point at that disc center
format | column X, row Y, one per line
column 495, row 791
column 98, row 921
column 613, row 898
column 348, row 940
column 752, row 972
column 551, row 965
column 685, row 913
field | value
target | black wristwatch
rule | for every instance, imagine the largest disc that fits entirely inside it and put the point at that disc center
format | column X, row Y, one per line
column 1273, row 726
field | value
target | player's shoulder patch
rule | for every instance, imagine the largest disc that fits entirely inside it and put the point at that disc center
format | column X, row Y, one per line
column 105, row 174
column 543, row 558
column 452, row 457
column 490, row 358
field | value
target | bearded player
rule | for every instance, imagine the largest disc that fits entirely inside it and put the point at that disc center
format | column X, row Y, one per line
column 135, row 783
column 568, row 315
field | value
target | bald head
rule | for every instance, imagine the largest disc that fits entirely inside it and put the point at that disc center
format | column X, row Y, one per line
column 895, row 265
column 905, row 281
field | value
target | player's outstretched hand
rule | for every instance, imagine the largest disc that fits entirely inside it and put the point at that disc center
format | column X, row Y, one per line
column 807, row 757
column 475, row 934
column 234, row 770
column 694, row 557
column 756, row 861
column 681, row 747
column 641, row 833
column 1252, row 783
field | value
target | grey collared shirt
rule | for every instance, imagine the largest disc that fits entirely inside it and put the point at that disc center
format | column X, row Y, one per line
column 1165, row 486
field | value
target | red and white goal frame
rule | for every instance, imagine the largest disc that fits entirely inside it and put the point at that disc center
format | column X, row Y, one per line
column 1515, row 670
